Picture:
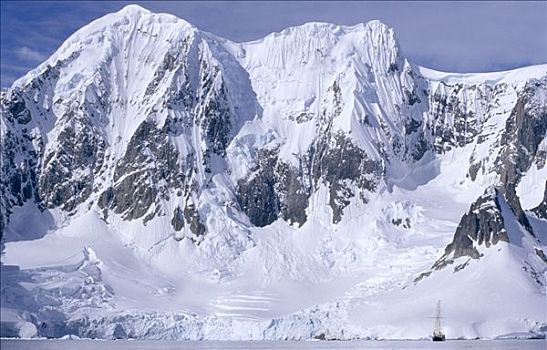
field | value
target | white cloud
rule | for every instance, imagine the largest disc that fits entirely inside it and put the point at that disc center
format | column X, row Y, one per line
column 28, row 54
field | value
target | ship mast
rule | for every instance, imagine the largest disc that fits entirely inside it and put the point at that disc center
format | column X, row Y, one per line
column 438, row 326
column 438, row 334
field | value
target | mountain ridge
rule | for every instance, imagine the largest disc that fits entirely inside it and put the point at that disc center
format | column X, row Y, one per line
column 133, row 10
column 296, row 162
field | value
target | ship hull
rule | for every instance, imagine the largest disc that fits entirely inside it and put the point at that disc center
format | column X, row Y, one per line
column 440, row 337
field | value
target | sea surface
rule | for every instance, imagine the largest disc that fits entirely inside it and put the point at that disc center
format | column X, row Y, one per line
column 263, row 345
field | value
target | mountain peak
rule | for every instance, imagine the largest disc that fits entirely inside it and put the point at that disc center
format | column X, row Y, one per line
column 137, row 12
column 314, row 43
column 133, row 9
column 374, row 29
column 112, row 32
column 379, row 31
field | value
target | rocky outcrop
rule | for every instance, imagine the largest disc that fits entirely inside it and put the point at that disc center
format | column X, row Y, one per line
column 452, row 123
column 275, row 190
column 525, row 129
column 192, row 217
column 177, row 220
column 22, row 145
column 522, row 140
column 216, row 121
column 278, row 189
column 18, row 180
column 484, row 224
column 345, row 169
column 68, row 171
column 149, row 168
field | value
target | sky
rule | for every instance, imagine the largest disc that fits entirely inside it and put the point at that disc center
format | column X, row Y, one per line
column 449, row 36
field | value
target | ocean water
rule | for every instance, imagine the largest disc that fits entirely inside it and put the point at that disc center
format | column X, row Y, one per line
column 263, row 345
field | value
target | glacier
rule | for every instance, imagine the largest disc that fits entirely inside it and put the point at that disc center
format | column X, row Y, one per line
column 161, row 182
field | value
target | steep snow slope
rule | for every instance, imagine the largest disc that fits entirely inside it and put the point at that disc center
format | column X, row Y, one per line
column 318, row 67
column 131, row 114
column 188, row 187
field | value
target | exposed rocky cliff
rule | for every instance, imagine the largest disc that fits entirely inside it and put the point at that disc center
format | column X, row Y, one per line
column 485, row 225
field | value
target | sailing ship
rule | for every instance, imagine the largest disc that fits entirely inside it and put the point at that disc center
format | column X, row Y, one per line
column 438, row 334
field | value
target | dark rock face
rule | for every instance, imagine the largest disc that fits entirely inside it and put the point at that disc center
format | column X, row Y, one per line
column 517, row 148
column 21, row 147
column 259, row 195
column 301, row 118
column 524, row 131
column 189, row 216
column 474, row 170
column 214, row 113
column 216, row 123
column 278, row 189
column 192, row 217
column 16, row 109
column 137, row 185
column 411, row 97
column 256, row 195
column 77, row 163
column 177, row 220
column 294, row 193
column 412, row 125
column 452, row 124
column 482, row 224
column 67, row 176
column 18, row 180
column 343, row 167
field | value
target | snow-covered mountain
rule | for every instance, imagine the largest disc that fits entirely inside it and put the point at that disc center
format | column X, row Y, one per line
column 161, row 182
